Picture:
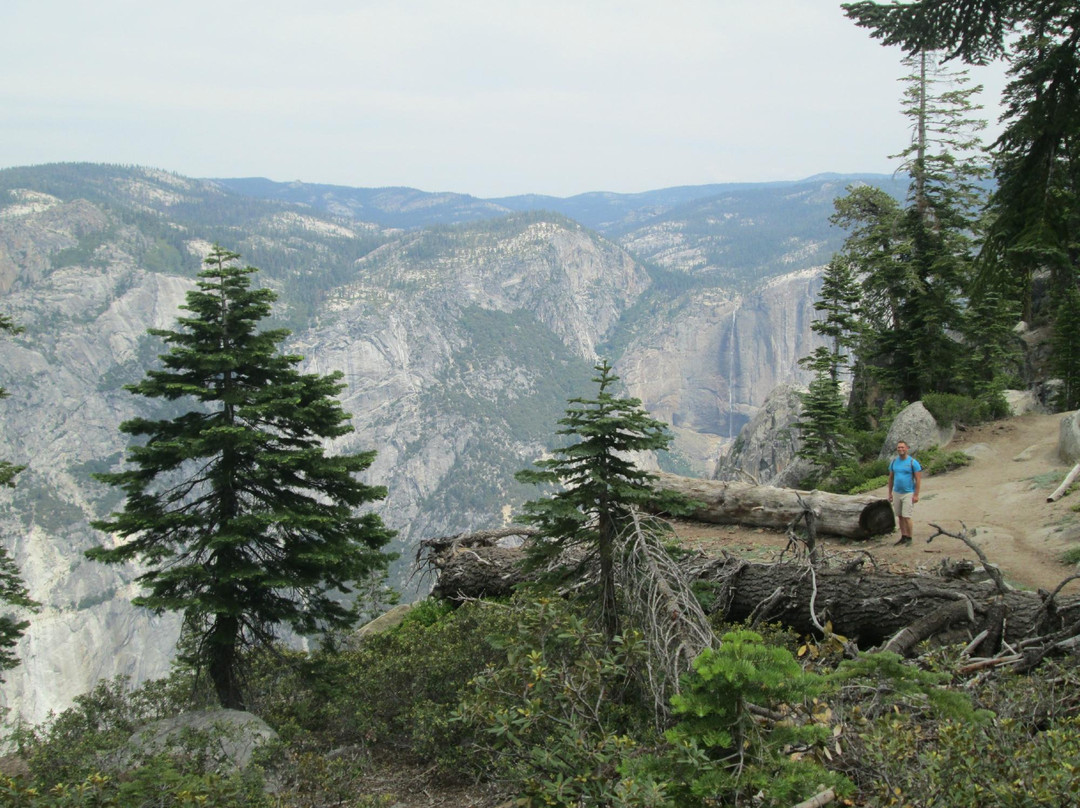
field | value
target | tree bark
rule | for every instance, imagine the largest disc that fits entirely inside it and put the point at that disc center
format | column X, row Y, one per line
column 867, row 607
column 728, row 502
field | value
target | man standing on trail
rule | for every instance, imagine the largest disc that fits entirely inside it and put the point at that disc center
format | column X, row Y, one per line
column 905, row 480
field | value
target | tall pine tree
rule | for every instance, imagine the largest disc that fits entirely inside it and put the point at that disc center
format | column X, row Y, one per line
column 824, row 422
column 915, row 260
column 243, row 521
column 1035, row 208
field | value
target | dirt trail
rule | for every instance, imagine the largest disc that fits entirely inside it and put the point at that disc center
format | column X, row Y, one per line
column 1001, row 496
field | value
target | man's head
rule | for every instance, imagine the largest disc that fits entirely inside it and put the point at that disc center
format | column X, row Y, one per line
column 901, row 449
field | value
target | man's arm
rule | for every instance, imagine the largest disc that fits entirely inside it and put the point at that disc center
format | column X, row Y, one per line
column 890, row 481
column 918, row 484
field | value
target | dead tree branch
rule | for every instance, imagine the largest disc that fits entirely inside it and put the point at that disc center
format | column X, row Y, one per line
column 1070, row 478
column 908, row 637
column 991, row 569
column 662, row 605
column 820, row 799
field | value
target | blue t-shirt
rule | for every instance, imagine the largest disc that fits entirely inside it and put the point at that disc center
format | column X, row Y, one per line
column 903, row 472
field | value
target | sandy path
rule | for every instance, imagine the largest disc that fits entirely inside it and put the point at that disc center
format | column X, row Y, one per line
column 1001, row 496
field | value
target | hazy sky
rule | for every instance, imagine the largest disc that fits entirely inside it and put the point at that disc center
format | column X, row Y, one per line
column 484, row 97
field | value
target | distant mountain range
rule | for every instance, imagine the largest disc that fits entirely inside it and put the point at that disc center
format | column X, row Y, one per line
column 606, row 212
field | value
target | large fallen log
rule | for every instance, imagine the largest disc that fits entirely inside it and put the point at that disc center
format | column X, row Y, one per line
column 867, row 607
column 729, row 503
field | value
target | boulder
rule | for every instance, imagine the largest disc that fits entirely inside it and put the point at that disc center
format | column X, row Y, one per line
column 1069, row 438
column 231, row 736
column 918, row 429
column 1021, row 402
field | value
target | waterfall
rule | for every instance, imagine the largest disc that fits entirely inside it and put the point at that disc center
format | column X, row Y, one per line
column 731, row 375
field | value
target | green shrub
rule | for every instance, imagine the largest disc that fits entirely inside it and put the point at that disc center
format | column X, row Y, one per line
column 393, row 691
column 559, row 712
column 721, row 754
column 846, row 478
column 869, row 485
column 961, row 764
column 82, row 756
column 160, row 782
column 936, row 460
column 950, row 408
column 75, row 744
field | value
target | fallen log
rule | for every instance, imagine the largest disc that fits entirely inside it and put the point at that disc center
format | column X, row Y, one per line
column 1070, row 478
column 869, row 607
column 729, row 502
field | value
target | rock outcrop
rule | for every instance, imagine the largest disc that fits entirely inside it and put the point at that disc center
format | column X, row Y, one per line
column 766, row 447
column 232, row 737
column 917, row 428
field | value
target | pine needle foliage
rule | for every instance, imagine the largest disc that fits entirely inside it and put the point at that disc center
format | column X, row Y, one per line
column 243, row 521
column 600, row 483
column 1066, row 350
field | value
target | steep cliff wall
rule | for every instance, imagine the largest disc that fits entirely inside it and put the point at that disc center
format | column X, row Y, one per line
column 709, row 364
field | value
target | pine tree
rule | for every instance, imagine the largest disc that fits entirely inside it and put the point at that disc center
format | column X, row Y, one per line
column 991, row 348
column 914, row 260
column 1036, row 205
column 13, row 590
column 824, row 422
column 839, row 304
column 242, row 520
column 600, row 483
column 946, row 165
column 1066, row 350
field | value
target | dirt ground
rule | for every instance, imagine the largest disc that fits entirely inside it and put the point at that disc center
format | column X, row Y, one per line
column 1000, row 497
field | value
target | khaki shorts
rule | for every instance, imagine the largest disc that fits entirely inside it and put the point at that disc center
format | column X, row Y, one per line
column 902, row 505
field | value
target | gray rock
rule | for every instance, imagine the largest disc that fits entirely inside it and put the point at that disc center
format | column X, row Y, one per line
column 1069, row 438
column 1022, row 401
column 918, row 429
column 766, row 446
column 232, row 736
column 979, row 450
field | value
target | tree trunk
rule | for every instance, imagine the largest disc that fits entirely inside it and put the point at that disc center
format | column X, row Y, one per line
column 728, row 503
column 222, row 663
column 867, row 607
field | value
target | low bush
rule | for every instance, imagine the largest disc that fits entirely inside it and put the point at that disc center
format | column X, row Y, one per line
column 559, row 710
column 82, row 756
column 950, row 408
column 721, row 753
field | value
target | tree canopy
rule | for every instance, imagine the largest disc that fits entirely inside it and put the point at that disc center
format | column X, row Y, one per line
column 1035, row 209
column 242, row 519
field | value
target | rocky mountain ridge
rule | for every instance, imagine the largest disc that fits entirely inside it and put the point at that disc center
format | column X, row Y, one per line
column 459, row 343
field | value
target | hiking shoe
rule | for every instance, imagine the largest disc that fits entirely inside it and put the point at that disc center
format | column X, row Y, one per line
column 903, row 540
